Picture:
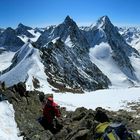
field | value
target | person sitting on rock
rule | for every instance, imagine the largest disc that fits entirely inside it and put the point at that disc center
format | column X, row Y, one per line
column 101, row 116
column 50, row 111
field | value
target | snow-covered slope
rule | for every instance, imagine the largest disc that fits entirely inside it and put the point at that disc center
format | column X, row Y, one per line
column 111, row 99
column 101, row 56
column 34, row 38
column 25, row 66
column 5, row 60
column 8, row 126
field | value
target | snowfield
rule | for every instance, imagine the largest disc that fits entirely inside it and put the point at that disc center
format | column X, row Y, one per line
column 110, row 99
column 100, row 55
column 8, row 126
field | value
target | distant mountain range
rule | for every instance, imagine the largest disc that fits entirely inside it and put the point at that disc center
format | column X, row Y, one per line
column 71, row 58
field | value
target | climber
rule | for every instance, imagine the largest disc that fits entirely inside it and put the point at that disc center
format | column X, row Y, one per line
column 100, row 115
column 50, row 111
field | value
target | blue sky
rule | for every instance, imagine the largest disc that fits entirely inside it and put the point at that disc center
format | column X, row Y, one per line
column 46, row 12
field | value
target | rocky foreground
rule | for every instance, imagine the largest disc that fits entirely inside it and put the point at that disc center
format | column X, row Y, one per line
column 77, row 125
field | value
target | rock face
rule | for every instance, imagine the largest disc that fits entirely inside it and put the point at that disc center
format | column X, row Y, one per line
column 66, row 58
column 9, row 40
column 79, row 42
column 26, row 117
column 45, row 37
column 66, row 67
column 79, row 124
column 68, row 31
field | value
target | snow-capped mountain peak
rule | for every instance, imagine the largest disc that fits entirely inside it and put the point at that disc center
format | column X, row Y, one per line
column 23, row 30
column 67, row 46
column 68, row 31
column 103, row 21
column 69, row 21
column 9, row 40
column 100, row 23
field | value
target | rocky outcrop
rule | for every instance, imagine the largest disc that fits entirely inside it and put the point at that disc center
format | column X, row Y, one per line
column 78, row 124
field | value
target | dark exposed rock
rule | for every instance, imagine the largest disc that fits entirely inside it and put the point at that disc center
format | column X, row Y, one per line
column 65, row 67
column 35, row 82
column 64, row 30
column 26, row 116
column 9, row 40
column 23, row 30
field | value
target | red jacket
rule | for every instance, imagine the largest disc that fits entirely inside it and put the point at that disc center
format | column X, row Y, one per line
column 50, row 111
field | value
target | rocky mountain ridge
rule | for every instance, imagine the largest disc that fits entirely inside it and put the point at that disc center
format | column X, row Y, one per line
column 66, row 53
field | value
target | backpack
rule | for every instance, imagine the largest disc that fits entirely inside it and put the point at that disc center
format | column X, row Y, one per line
column 104, row 131
column 114, row 131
